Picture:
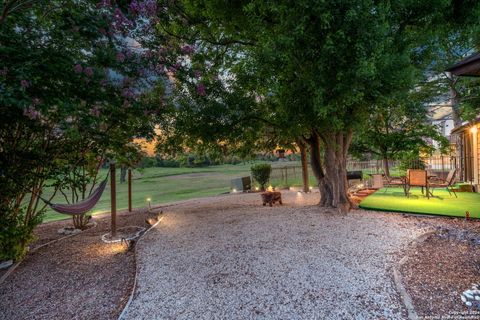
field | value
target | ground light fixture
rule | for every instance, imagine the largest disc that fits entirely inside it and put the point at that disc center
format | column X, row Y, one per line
column 149, row 200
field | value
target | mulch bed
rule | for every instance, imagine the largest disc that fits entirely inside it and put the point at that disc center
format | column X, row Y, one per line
column 441, row 267
column 75, row 278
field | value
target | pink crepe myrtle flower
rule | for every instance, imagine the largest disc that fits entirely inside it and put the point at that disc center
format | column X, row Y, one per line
column 187, row 49
column 197, row 74
column 120, row 57
column 126, row 104
column 148, row 54
column 126, row 81
column 150, row 7
column 172, row 69
column 120, row 20
column 128, row 93
column 105, row 3
column 78, row 68
column 134, row 7
column 31, row 113
column 88, row 71
column 24, row 83
column 201, row 89
column 160, row 68
column 95, row 111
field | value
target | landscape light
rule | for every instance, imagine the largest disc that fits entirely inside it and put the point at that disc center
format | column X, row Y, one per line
column 474, row 129
column 149, row 204
column 310, row 187
column 234, row 190
column 256, row 188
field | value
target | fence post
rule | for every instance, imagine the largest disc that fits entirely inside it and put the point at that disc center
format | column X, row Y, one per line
column 113, row 200
column 129, row 190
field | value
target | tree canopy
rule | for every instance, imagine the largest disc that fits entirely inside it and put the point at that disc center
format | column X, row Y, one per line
column 310, row 70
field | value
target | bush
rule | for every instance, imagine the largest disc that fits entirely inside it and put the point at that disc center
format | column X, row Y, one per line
column 261, row 173
column 14, row 234
column 147, row 162
column 411, row 161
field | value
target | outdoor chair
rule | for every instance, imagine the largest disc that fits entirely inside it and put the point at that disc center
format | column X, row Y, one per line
column 389, row 181
column 445, row 183
column 417, row 178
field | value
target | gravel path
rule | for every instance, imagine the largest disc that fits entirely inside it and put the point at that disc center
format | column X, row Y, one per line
column 228, row 257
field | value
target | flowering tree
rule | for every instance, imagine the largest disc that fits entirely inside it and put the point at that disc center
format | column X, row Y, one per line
column 75, row 89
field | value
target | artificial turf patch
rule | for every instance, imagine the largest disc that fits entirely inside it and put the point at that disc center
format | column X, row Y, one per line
column 393, row 199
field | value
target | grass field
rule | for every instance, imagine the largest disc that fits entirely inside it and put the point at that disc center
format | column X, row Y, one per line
column 169, row 184
column 441, row 204
column 163, row 185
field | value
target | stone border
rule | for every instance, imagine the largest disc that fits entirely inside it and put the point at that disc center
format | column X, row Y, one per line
column 134, row 288
column 135, row 236
column 15, row 265
column 398, row 278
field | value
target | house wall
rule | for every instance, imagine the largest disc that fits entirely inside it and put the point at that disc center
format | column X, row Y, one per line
column 477, row 155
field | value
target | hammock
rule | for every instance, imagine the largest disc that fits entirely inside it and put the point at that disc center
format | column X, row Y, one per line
column 83, row 206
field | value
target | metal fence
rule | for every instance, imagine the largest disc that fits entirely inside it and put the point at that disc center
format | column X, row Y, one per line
column 291, row 173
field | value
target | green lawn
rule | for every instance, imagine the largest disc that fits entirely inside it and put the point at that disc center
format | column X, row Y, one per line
column 442, row 204
column 166, row 185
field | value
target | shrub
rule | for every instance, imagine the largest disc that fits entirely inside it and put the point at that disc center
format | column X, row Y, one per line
column 261, row 174
column 411, row 161
column 15, row 235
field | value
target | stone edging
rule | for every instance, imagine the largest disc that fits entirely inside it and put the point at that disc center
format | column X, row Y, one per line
column 134, row 288
column 14, row 266
column 398, row 279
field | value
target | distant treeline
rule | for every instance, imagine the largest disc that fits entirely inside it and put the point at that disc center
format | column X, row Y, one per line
column 192, row 160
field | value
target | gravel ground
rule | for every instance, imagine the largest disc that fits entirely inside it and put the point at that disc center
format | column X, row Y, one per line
column 228, row 257
column 76, row 278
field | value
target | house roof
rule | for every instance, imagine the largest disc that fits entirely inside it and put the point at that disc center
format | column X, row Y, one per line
column 466, row 125
column 469, row 66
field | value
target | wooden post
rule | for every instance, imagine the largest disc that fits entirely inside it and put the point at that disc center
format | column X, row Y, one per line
column 303, row 157
column 129, row 190
column 113, row 200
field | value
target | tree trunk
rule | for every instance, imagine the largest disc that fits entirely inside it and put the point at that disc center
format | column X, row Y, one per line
column 454, row 100
column 123, row 174
column 332, row 175
column 386, row 168
column 303, row 158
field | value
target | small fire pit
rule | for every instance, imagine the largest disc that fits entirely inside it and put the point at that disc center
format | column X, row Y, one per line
column 271, row 197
